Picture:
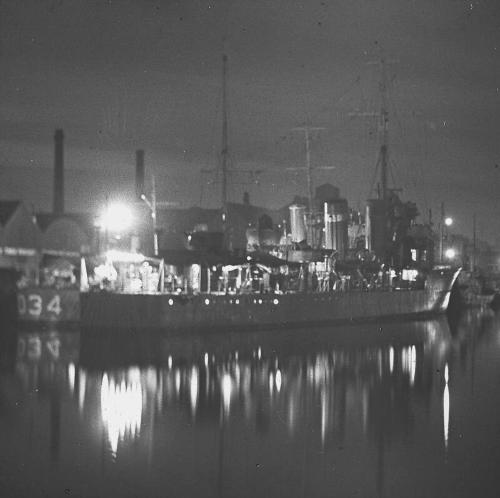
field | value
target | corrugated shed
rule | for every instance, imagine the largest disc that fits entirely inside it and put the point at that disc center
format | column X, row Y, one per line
column 68, row 232
column 85, row 221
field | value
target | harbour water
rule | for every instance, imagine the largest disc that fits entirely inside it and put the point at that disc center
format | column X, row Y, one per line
column 390, row 410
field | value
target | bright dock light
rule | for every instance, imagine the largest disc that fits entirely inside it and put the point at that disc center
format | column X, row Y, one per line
column 450, row 253
column 116, row 218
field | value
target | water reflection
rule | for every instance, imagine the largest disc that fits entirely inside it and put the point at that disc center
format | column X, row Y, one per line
column 276, row 409
column 121, row 406
column 446, row 407
column 325, row 384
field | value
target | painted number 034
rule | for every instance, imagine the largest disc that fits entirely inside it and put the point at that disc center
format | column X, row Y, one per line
column 33, row 304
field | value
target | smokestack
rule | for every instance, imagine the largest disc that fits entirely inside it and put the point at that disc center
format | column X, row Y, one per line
column 139, row 173
column 58, row 207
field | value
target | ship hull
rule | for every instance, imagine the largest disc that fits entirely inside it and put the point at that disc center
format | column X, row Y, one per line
column 251, row 311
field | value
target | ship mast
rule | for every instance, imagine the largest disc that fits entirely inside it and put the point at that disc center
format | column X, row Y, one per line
column 383, row 134
column 384, row 126
column 383, row 116
column 224, row 148
column 308, row 168
column 309, row 172
column 222, row 171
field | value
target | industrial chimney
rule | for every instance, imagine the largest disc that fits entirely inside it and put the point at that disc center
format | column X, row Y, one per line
column 139, row 173
column 58, row 207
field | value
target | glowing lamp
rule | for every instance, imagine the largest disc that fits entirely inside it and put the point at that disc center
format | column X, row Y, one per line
column 450, row 253
column 448, row 221
column 116, row 218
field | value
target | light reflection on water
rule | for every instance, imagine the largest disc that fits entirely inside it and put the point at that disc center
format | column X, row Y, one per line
column 121, row 407
column 364, row 410
column 446, row 408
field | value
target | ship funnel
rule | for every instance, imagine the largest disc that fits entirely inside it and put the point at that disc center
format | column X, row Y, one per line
column 336, row 217
column 58, row 193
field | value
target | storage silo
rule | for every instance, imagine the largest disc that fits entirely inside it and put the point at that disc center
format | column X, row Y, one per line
column 298, row 223
column 336, row 216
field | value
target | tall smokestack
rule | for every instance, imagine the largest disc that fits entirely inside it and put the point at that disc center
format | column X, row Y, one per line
column 139, row 173
column 58, row 207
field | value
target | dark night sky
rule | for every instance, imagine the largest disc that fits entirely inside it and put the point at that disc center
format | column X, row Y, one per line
column 122, row 75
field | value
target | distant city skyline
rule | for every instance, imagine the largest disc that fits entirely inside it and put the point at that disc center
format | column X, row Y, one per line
column 119, row 76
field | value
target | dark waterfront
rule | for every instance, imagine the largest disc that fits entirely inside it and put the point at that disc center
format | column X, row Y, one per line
column 402, row 409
